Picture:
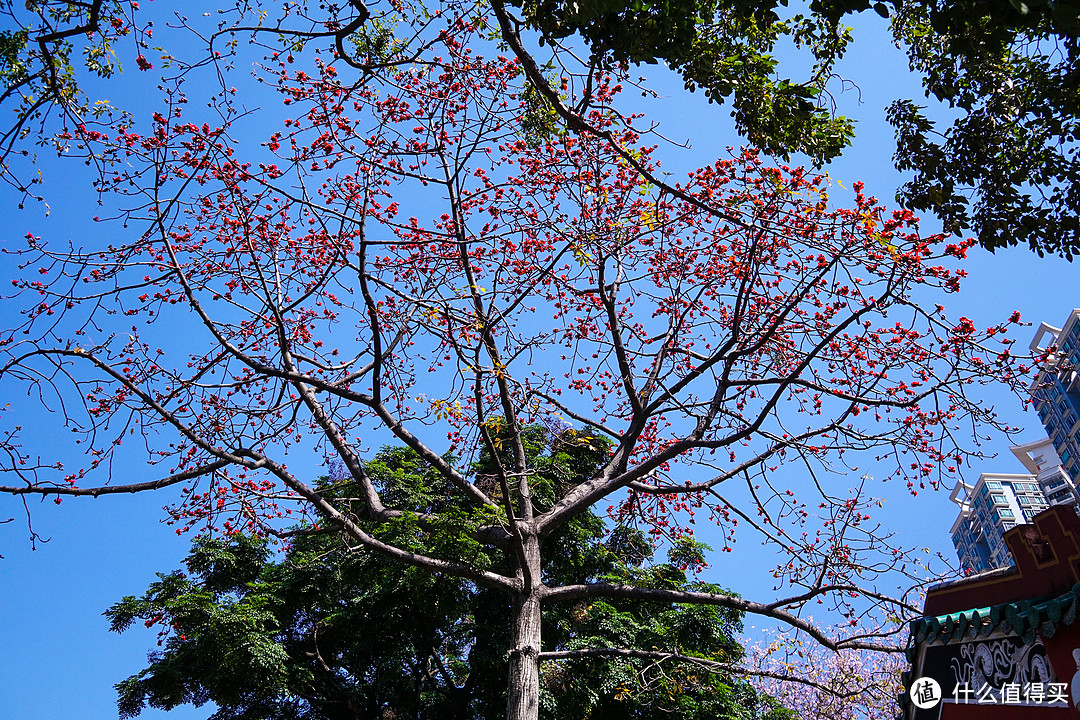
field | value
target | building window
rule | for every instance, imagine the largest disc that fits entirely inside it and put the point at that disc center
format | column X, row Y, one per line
column 1000, row 500
column 1005, row 513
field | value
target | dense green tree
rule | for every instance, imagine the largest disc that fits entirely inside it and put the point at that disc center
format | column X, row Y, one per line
column 327, row 631
column 1006, row 167
column 725, row 49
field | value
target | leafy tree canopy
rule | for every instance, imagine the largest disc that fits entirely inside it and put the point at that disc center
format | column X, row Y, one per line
column 727, row 50
column 1006, row 167
column 327, row 631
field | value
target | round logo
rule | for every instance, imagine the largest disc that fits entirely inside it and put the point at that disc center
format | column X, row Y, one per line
column 925, row 693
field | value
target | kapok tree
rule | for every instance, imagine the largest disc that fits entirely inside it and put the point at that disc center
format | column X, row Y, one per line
column 419, row 251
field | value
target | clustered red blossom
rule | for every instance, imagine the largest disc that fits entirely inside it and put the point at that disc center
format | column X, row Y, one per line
column 394, row 231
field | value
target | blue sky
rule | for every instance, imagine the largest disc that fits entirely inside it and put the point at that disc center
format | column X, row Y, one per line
column 57, row 658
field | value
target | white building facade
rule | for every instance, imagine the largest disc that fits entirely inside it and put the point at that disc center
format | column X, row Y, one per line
column 997, row 502
column 1055, row 393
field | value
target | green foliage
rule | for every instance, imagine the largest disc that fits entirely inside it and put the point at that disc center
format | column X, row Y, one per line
column 726, row 50
column 326, row 631
column 48, row 52
column 1007, row 167
column 229, row 630
column 539, row 122
column 607, row 688
column 630, row 546
column 375, row 42
column 12, row 48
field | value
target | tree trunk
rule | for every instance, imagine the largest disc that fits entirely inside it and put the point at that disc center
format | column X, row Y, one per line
column 523, row 694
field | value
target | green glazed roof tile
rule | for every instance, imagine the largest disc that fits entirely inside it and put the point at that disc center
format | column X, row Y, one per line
column 1022, row 618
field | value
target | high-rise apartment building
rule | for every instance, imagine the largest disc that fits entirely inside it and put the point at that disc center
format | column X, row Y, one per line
column 1055, row 392
column 1041, row 460
column 997, row 502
